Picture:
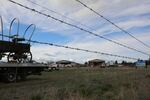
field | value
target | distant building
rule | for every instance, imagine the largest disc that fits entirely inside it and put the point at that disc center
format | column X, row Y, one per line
column 64, row 63
column 96, row 63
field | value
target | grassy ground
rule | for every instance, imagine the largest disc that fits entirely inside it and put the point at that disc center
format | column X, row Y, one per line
column 82, row 84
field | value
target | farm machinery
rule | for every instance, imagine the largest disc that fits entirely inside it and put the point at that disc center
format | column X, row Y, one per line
column 16, row 49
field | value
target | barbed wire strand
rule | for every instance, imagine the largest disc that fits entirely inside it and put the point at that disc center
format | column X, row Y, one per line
column 100, row 15
column 49, row 16
column 73, row 48
column 75, row 21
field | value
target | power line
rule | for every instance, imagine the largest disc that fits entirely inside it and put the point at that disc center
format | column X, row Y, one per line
column 59, row 14
column 89, row 32
column 1, row 26
column 113, row 23
column 74, row 48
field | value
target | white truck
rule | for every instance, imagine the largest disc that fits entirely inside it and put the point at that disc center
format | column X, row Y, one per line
column 53, row 66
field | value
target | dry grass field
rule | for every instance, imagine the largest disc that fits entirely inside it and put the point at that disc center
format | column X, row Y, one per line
column 82, row 84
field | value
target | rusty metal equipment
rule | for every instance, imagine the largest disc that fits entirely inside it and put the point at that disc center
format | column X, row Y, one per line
column 17, row 49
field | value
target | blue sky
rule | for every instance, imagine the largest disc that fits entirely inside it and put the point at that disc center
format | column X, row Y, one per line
column 131, row 15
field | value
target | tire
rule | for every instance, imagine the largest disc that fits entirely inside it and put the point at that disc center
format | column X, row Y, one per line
column 10, row 77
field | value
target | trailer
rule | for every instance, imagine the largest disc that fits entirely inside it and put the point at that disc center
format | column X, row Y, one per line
column 11, row 72
column 19, row 62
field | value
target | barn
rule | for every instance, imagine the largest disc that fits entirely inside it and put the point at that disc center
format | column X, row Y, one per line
column 96, row 63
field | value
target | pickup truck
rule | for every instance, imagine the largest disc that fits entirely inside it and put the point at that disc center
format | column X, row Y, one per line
column 53, row 66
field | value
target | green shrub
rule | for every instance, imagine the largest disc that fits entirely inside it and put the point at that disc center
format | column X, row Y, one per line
column 36, row 97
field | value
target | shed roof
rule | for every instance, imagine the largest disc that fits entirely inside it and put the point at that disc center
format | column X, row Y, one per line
column 97, row 60
column 63, row 62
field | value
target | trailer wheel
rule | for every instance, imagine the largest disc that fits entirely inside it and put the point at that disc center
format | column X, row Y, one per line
column 10, row 77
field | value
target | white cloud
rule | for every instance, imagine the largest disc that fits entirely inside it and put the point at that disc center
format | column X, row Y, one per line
column 56, row 53
column 112, row 9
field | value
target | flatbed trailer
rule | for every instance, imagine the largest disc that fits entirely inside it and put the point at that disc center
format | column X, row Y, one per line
column 11, row 72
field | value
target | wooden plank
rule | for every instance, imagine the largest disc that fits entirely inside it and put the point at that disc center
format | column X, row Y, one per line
column 22, row 65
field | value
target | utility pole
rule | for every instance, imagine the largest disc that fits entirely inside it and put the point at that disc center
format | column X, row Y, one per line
column 147, row 62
